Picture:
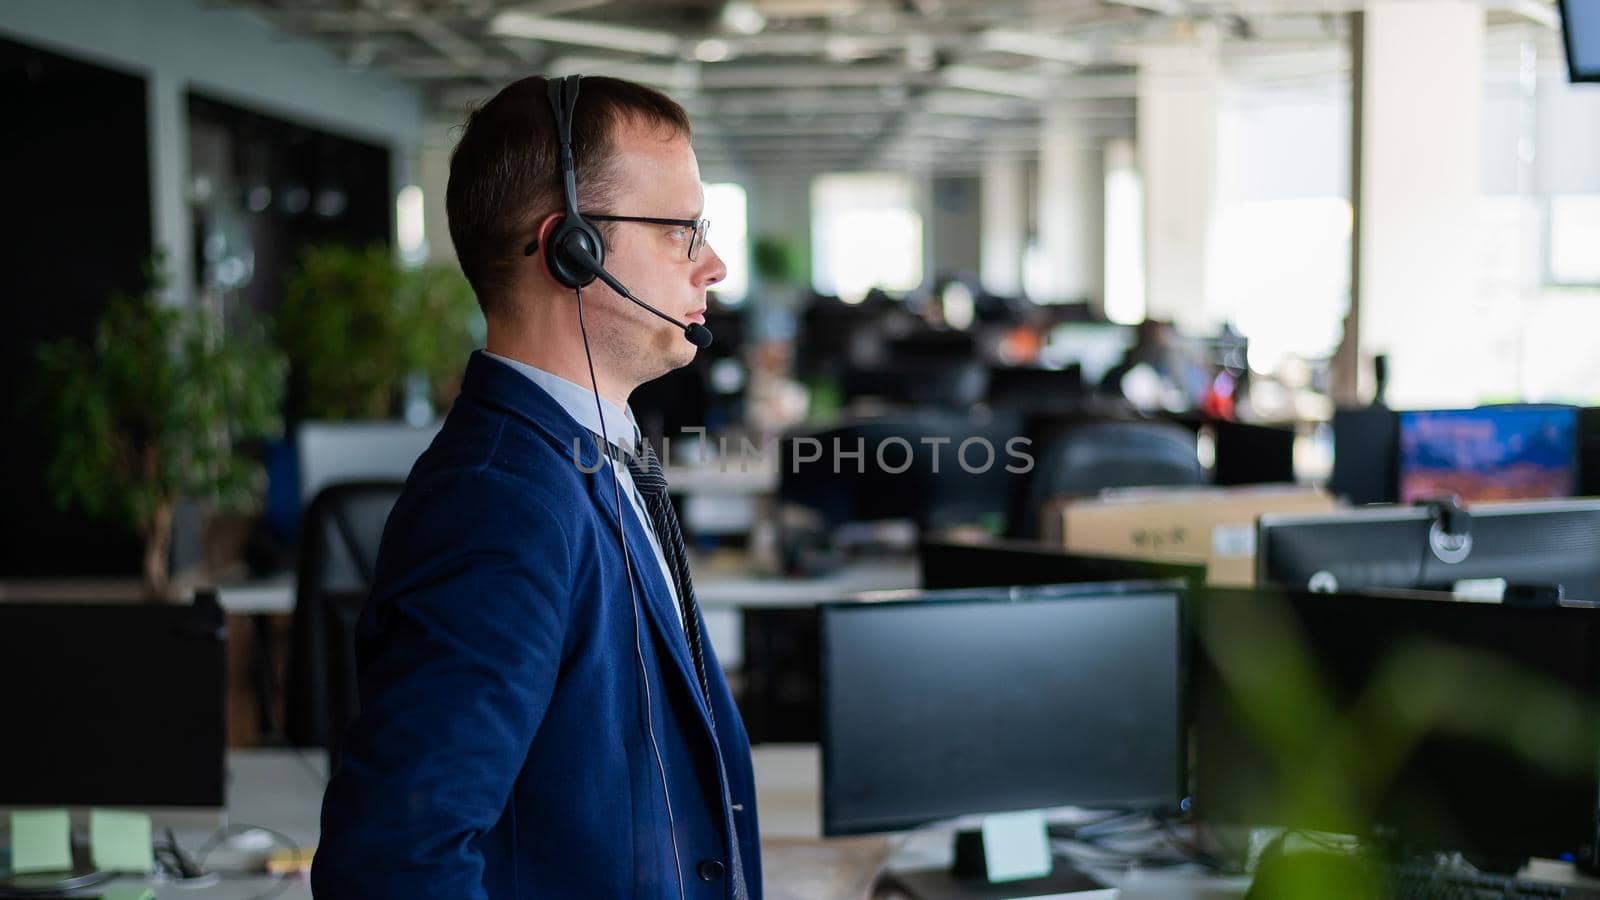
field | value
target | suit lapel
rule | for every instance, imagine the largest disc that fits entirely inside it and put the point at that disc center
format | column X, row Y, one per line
column 655, row 600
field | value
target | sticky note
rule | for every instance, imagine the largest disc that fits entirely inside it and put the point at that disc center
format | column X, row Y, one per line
column 127, row 892
column 1016, row 846
column 120, row 841
column 41, row 841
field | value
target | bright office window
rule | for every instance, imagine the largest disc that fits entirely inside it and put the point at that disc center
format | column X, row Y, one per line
column 726, row 208
column 1574, row 237
column 865, row 233
column 1281, row 269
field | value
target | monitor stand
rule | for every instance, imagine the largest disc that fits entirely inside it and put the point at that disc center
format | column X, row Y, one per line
column 966, row 877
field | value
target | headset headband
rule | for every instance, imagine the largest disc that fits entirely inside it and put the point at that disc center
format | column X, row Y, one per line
column 563, row 96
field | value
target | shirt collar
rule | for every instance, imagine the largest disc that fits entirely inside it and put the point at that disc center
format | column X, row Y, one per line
column 621, row 429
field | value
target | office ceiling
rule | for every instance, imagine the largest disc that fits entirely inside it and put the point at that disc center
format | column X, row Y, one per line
column 811, row 85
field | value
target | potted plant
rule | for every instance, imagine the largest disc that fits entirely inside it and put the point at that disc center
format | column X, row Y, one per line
column 358, row 328
column 156, row 409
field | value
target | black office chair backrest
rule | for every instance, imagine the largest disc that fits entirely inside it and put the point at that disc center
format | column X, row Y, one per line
column 1087, row 459
column 339, row 541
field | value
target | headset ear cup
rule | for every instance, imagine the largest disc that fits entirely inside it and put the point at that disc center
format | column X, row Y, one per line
column 563, row 267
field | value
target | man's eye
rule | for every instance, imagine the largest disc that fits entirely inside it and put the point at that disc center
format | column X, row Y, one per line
column 679, row 233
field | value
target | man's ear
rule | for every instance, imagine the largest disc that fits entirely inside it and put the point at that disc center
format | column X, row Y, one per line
column 547, row 226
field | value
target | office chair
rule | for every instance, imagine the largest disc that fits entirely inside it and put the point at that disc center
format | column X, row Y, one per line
column 1087, row 459
column 338, row 552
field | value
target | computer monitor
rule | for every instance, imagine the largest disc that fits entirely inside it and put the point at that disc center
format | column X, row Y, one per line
column 1533, row 545
column 950, row 564
column 1096, row 347
column 1430, row 725
column 1580, row 27
column 1252, row 454
column 331, row 452
column 946, row 704
column 1490, row 453
column 1366, row 442
column 115, row 705
column 1589, row 452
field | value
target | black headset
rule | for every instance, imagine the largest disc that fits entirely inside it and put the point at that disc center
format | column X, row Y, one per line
column 575, row 252
column 572, row 233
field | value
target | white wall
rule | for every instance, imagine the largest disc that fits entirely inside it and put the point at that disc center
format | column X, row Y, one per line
column 233, row 55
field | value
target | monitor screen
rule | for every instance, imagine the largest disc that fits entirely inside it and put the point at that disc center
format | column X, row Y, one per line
column 1495, row 453
column 1580, row 24
column 124, row 705
column 1430, row 724
column 1532, row 544
column 966, row 702
column 947, row 564
column 1095, row 346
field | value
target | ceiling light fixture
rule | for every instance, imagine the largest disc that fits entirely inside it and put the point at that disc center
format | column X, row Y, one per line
column 712, row 50
column 742, row 17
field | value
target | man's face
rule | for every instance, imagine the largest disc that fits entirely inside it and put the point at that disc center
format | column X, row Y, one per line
column 660, row 178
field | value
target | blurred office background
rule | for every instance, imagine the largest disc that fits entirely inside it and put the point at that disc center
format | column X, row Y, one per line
column 1347, row 249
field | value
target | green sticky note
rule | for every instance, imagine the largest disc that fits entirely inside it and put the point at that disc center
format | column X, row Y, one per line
column 1016, row 846
column 127, row 892
column 41, row 841
column 120, row 841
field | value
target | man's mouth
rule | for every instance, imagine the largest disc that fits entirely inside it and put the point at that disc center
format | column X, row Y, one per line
column 698, row 316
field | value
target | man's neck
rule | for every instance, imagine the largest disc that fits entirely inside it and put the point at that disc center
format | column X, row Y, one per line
column 562, row 358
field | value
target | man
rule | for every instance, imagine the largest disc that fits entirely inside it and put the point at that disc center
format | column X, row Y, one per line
column 539, row 717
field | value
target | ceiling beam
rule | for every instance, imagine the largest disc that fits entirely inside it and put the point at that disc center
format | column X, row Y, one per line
column 624, row 38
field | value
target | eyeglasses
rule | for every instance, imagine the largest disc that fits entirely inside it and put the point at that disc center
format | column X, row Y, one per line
column 697, row 228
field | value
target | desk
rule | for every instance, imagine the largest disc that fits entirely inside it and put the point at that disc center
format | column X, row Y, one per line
column 757, row 478
column 722, row 595
column 282, row 790
column 713, row 588
column 277, row 789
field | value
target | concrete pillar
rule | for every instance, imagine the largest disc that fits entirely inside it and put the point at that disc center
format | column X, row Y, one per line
column 433, row 176
column 1124, row 234
column 1004, row 220
column 954, row 223
column 1071, row 209
column 1178, row 88
column 922, row 201
column 171, row 224
column 1421, row 70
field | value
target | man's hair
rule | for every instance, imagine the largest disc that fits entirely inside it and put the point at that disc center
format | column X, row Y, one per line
column 505, row 173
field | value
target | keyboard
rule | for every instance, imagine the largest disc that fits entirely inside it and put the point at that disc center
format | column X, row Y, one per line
column 1280, row 876
column 1419, row 883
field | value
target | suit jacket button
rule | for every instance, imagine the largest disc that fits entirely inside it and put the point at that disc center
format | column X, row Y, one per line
column 710, row 869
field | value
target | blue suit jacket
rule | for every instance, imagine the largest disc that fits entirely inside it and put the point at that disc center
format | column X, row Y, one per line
column 501, row 748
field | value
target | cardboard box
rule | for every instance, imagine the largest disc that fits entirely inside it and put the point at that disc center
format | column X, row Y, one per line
column 1215, row 526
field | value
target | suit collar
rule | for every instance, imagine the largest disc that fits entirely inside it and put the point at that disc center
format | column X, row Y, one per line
column 499, row 386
